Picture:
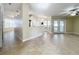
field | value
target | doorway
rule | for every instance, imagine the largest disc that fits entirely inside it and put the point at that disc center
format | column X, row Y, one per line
column 59, row 26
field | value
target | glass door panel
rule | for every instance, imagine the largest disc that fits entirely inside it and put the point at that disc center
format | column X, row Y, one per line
column 55, row 26
column 61, row 26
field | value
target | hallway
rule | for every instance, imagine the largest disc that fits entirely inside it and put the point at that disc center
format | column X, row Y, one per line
column 45, row 44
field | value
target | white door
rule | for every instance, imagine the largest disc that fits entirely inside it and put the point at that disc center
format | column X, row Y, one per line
column 59, row 26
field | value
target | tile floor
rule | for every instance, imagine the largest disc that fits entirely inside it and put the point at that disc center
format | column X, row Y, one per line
column 47, row 44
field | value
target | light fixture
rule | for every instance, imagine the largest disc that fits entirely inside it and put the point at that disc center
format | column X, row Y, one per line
column 73, row 14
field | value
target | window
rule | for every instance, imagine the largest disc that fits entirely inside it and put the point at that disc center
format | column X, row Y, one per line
column 11, row 23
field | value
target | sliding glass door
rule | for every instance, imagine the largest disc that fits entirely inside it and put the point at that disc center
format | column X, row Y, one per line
column 56, row 26
column 59, row 26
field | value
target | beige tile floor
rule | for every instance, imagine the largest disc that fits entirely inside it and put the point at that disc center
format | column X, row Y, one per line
column 47, row 44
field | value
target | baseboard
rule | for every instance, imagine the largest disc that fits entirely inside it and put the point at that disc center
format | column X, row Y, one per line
column 18, row 37
column 29, row 38
column 68, row 32
column 74, row 33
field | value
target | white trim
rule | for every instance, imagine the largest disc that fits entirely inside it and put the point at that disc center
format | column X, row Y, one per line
column 32, row 37
column 75, row 33
column 72, row 33
column 18, row 37
column 68, row 32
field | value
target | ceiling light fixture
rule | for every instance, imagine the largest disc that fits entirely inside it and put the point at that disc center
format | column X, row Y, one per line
column 73, row 14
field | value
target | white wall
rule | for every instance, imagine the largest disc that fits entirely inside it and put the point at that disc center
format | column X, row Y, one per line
column 26, row 30
column 25, row 19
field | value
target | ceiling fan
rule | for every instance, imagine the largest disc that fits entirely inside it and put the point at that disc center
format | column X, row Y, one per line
column 72, row 12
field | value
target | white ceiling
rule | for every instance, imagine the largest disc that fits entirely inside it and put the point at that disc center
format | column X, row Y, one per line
column 11, row 10
column 43, row 9
column 52, row 9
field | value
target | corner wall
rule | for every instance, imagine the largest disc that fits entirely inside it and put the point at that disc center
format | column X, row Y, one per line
column 76, row 25
column 25, row 19
column 69, row 24
column 73, row 24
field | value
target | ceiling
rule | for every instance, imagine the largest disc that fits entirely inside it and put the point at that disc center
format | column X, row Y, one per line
column 11, row 9
column 52, row 9
column 43, row 9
